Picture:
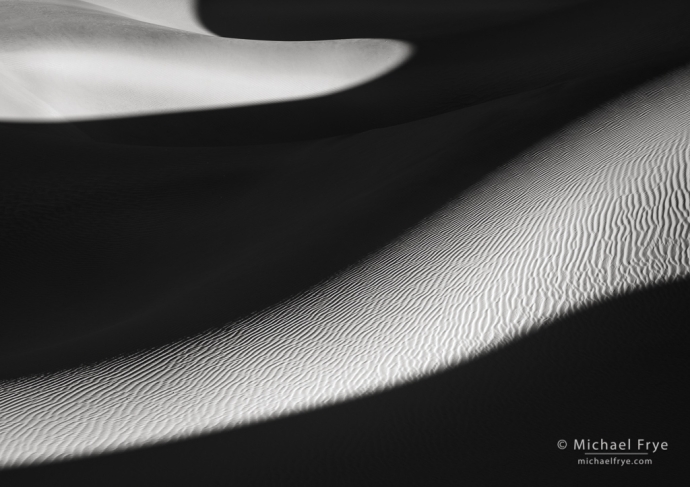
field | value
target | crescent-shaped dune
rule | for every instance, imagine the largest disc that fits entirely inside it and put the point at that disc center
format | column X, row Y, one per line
column 599, row 209
column 70, row 60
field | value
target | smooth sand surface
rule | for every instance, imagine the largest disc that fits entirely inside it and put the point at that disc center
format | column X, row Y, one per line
column 600, row 209
column 73, row 61
column 178, row 14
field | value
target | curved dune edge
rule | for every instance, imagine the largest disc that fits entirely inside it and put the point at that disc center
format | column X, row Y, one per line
column 601, row 208
column 85, row 62
column 177, row 14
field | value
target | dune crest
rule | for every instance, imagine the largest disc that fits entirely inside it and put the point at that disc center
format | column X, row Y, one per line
column 71, row 60
column 178, row 14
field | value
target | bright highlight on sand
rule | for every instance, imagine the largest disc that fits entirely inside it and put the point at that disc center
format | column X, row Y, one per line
column 107, row 59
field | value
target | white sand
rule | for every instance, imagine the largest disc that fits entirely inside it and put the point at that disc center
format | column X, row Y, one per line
column 73, row 60
column 178, row 14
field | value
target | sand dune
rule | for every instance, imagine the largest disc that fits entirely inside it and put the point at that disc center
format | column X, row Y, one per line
column 598, row 210
column 594, row 42
column 315, row 236
column 86, row 62
column 609, row 368
column 178, row 14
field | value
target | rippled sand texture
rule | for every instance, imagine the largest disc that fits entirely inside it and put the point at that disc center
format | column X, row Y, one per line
column 599, row 209
column 71, row 60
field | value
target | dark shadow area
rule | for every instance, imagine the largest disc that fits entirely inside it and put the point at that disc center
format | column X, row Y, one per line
column 113, row 248
column 303, row 20
column 614, row 371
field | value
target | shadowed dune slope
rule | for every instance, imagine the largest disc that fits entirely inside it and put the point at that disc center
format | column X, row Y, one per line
column 132, row 247
column 129, row 246
column 409, row 19
column 599, row 209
